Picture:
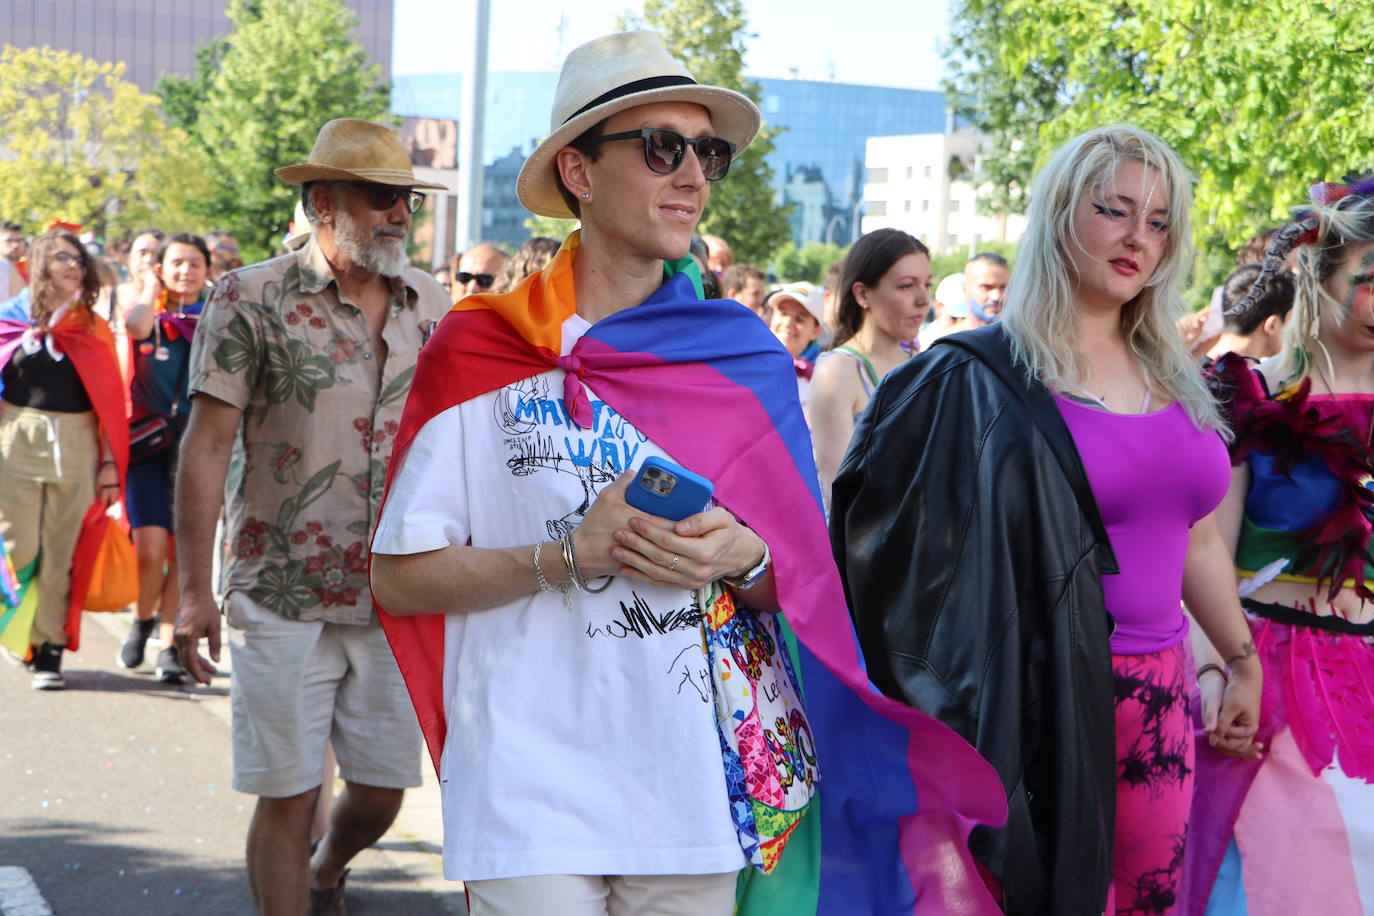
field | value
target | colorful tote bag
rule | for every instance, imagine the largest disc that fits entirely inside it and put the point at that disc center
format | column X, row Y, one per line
column 765, row 739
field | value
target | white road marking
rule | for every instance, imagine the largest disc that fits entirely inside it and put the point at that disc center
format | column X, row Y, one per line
column 19, row 896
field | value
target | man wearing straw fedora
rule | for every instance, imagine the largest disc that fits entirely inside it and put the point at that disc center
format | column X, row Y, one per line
column 609, row 696
column 299, row 371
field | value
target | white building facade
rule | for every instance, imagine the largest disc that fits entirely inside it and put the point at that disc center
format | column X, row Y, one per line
column 923, row 184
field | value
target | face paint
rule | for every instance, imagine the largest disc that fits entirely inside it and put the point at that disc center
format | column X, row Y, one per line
column 1149, row 197
column 1360, row 298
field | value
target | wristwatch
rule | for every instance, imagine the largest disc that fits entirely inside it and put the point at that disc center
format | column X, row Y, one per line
column 752, row 577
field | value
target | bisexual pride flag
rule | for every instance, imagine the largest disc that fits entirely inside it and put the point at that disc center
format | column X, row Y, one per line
column 708, row 382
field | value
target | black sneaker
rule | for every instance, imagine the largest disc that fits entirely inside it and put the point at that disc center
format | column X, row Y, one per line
column 47, row 668
column 169, row 669
column 131, row 653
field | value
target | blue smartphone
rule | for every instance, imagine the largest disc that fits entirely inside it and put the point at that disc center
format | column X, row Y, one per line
column 668, row 490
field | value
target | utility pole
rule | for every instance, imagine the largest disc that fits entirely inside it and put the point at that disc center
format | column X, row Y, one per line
column 471, row 127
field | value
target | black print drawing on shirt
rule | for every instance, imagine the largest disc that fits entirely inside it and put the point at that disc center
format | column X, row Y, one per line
column 692, row 668
column 643, row 621
column 542, row 436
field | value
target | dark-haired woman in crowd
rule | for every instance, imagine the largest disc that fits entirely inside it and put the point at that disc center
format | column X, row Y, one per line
column 63, row 441
column 530, row 258
column 1020, row 513
column 884, row 295
column 160, row 326
column 1294, row 832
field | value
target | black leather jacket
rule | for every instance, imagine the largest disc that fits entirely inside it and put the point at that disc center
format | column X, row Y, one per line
column 972, row 552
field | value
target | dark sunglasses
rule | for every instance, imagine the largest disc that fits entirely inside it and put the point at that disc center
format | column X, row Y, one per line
column 484, row 281
column 664, row 149
column 381, row 197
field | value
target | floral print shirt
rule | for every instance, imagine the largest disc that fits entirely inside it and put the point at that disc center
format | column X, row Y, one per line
column 305, row 480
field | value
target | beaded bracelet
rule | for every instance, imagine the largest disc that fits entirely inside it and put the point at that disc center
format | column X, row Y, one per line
column 1211, row 667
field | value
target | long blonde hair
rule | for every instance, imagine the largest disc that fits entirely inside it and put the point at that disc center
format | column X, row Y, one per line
column 1039, row 310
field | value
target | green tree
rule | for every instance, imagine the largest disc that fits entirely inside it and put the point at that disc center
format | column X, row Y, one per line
column 1259, row 97
column 183, row 96
column 86, row 146
column 809, row 263
column 708, row 37
column 258, row 99
column 952, row 262
column 999, row 102
column 550, row 226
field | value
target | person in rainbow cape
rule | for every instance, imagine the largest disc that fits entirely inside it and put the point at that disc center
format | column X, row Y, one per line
column 64, row 446
column 613, row 701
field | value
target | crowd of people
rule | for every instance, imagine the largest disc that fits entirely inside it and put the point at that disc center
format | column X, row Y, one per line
column 1017, row 594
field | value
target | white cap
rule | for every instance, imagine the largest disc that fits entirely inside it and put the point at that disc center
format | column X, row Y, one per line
column 950, row 294
column 806, row 293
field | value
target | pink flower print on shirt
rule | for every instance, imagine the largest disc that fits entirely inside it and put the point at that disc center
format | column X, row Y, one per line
column 252, row 540
column 345, row 351
column 337, row 577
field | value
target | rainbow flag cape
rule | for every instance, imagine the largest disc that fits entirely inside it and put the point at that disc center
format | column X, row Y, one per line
column 708, row 382
column 86, row 340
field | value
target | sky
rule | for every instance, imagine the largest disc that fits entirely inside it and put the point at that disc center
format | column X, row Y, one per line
column 879, row 42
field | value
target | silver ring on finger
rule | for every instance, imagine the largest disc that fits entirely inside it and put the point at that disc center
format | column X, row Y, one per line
column 672, row 567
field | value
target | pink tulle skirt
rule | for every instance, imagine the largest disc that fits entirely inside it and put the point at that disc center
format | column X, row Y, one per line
column 1293, row 833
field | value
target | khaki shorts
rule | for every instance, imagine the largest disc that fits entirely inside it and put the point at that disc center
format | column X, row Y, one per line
column 612, row 895
column 297, row 685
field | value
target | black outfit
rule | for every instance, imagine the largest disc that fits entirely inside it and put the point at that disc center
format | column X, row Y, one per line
column 972, row 551
column 37, row 380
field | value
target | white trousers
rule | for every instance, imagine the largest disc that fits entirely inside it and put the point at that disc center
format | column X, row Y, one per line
column 611, row 895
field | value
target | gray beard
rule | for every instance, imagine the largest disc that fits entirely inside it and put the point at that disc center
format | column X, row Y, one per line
column 379, row 255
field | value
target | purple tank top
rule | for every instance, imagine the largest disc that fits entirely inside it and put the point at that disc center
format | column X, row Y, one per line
column 1154, row 476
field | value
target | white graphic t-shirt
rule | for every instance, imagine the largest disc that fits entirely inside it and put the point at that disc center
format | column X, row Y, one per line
column 580, row 741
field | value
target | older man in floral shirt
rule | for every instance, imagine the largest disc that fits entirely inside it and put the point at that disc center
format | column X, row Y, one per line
column 299, row 370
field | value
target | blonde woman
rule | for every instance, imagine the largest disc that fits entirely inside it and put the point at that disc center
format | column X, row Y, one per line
column 1298, row 517
column 1020, row 512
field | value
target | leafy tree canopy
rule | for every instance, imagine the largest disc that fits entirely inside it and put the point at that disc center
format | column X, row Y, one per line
column 808, row 263
column 1259, row 97
column 86, row 146
column 708, row 37
column 259, row 97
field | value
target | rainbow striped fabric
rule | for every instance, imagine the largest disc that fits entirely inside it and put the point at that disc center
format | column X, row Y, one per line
column 707, row 381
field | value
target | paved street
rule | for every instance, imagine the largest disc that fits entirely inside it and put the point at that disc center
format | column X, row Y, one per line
column 116, row 800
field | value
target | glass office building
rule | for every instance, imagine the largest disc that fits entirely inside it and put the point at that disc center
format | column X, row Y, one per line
column 818, row 160
column 153, row 37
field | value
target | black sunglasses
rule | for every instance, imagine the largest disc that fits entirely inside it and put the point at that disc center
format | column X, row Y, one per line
column 484, row 281
column 664, row 149
column 381, row 197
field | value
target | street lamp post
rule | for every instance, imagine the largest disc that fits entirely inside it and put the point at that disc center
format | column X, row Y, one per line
column 470, row 129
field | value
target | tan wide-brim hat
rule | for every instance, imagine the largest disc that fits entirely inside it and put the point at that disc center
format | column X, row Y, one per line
column 350, row 149
column 608, row 75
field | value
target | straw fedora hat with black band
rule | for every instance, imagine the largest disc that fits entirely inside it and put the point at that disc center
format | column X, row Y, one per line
column 350, row 149
column 608, row 75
